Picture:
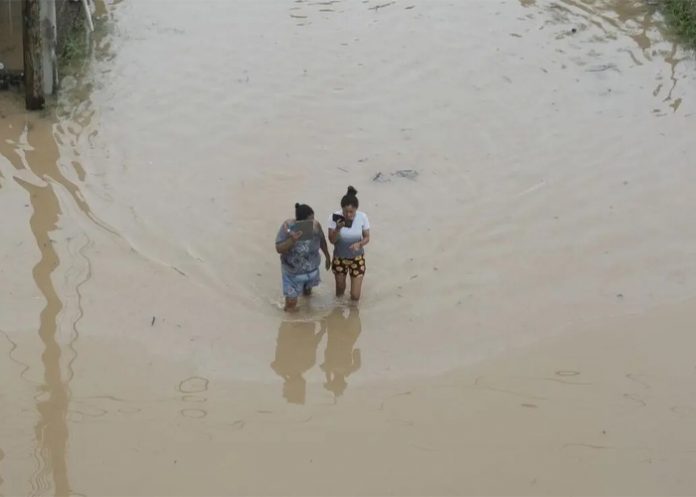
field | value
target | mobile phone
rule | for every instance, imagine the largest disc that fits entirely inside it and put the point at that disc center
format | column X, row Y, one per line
column 347, row 223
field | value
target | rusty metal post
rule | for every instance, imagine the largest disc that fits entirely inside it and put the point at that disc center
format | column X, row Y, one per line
column 33, row 74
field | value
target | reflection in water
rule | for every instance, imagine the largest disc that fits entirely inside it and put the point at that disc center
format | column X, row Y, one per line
column 2, row 456
column 10, row 355
column 31, row 144
column 296, row 353
column 51, row 430
column 341, row 359
column 40, row 154
column 638, row 20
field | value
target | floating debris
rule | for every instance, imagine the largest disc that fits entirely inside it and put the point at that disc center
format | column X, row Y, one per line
column 380, row 177
column 406, row 173
column 381, row 6
column 603, row 67
column 567, row 372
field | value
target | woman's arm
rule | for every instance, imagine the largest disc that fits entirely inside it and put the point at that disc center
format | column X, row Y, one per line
column 334, row 233
column 324, row 246
column 365, row 240
column 284, row 247
column 287, row 244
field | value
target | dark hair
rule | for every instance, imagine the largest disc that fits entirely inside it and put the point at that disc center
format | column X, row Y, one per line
column 350, row 198
column 303, row 211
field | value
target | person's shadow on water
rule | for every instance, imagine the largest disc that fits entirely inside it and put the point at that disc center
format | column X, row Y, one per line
column 341, row 359
column 296, row 353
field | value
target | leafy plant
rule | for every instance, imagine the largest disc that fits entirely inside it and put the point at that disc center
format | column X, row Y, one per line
column 681, row 15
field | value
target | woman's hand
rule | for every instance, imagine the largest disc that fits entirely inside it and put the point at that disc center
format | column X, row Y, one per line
column 334, row 233
column 356, row 247
column 295, row 235
column 285, row 246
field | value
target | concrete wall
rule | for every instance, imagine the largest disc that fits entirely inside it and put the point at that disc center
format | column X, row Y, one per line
column 11, row 34
column 69, row 14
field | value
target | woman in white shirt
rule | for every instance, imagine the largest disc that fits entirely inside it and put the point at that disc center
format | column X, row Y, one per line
column 349, row 232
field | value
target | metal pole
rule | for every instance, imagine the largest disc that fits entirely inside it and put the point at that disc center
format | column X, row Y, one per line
column 88, row 15
column 48, row 46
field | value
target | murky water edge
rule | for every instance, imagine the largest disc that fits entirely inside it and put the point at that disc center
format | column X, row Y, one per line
column 139, row 309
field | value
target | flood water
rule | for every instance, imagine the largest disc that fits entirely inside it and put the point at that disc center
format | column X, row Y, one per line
column 527, row 167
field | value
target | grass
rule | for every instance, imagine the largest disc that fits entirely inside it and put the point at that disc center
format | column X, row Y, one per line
column 681, row 17
column 75, row 47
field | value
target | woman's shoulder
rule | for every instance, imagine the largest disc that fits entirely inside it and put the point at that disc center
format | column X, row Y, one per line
column 364, row 220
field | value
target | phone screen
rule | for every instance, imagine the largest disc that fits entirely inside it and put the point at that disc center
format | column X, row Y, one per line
column 347, row 223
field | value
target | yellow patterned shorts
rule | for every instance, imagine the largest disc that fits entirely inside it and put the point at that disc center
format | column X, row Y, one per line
column 352, row 267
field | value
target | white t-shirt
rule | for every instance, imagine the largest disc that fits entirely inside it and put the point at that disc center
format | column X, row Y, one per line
column 349, row 236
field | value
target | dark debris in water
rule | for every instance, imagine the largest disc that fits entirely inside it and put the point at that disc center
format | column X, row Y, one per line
column 381, row 177
column 603, row 67
column 406, row 173
column 381, row 6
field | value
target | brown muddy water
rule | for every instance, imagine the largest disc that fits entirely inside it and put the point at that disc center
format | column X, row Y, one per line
column 527, row 318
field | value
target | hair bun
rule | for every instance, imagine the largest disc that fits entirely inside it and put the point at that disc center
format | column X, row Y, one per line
column 352, row 191
column 297, row 206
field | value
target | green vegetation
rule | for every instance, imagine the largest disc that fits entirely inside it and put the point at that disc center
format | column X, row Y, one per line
column 75, row 47
column 681, row 16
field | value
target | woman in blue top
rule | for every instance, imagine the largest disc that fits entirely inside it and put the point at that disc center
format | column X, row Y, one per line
column 300, row 259
column 349, row 231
